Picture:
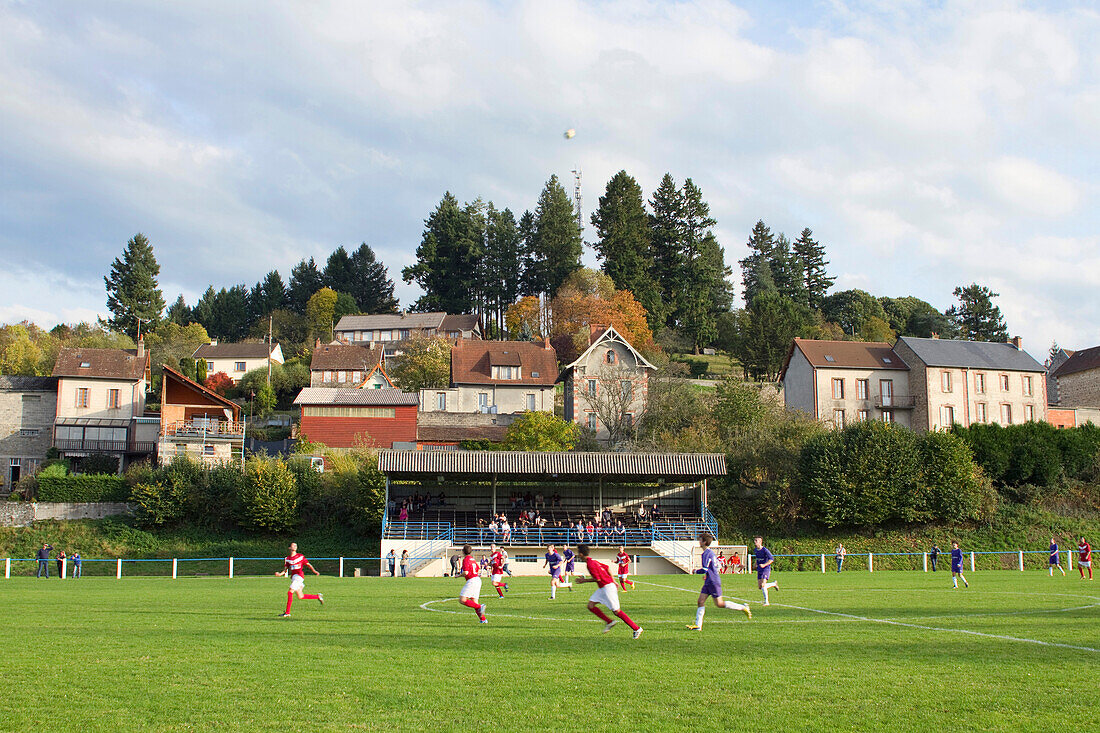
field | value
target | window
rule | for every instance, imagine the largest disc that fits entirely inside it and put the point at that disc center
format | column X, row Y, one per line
column 441, row 400
column 591, row 387
column 838, row 418
column 830, row 358
column 238, row 366
column 947, row 416
column 29, row 432
column 454, row 334
column 861, row 389
column 981, row 412
column 328, row 411
column 385, row 335
column 483, row 400
column 1029, row 413
column 888, row 416
column 945, row 381
column 886, row 390
column 593, row 424
column 530, row 402
column 341, row 376
column 838, row 389
column 209, row 367
column 1006, row 414
column 208, row 450
column 32, row 398
column 534, row 375
column 628, row 420
column 1004, row 382
column 1027, row 386
column 610, row 356
column 85, row 365
column 863, row 415
column 181, row 449
column 112, row 399
column 82, row 397
column 628, row 390
column 328, row 375
column 979, row 383
column 356, row 376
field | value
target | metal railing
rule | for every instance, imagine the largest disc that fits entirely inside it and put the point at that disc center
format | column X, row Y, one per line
column 207, row 429
column 106, row 446
column 536, row 536
column 897, row 401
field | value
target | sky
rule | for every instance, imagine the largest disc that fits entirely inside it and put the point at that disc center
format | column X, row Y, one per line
column 927, row 145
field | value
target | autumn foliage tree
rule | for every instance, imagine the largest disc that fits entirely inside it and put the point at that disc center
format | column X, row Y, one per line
column 588, row 298
column 219, row 382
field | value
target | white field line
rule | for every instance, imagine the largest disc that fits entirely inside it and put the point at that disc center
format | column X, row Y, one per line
column 912, row 626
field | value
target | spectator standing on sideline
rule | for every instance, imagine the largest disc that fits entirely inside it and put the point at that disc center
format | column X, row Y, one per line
column 934, row 555
column 391, row 560
column 504, row 556
column 841, row 553
column 75, row 558
column 456, row 561
column 43, row 557
column 61, row 564
column 404, row 563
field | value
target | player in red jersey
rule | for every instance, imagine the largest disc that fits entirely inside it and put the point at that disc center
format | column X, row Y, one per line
column 1084, row 558
column 624, row 567
column 496, row 570
column 468, row 596
column 294, row 565
column 606, row 593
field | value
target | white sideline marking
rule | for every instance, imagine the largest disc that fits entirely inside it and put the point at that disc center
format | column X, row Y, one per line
column 911, row 626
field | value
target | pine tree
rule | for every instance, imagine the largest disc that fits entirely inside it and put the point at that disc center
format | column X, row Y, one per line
column 268, row 295
column 531, row 279
column 372, row 287
column 446, row 267
column 788, row 272
column 305, row 280
column 703, row 288
column 976, row 316
column 757, row 275
column 502, row 262
column 132, row 291
column 622, row 225
column 557, row 238
column 339, row 274
column 666, row 241
column 179, row 313
column 811, row 255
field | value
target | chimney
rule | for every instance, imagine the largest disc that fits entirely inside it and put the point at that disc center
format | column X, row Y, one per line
column 317, row 345
column 546, row 343
column 935, row 335
column 594, row 331
column 141, row 348
column 1018, row 343
column 213, row 342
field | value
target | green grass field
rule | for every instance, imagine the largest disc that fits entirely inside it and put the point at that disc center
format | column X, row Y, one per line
column 882, row 651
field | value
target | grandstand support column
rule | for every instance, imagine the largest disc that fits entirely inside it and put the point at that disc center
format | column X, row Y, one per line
column 600, row 509
column 494, row 494
column 705, row 503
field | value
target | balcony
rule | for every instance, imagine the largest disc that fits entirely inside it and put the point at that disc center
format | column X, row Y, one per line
column 895, row 402
column 105, row 446
column 205, row 430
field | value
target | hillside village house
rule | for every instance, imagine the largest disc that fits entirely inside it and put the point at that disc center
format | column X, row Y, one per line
column 28, row 406
column 606, row 387
column 498, row 377
column 1077, row 381
column 236, row 360
column 1054, row 361
column 348, row 365
column 968, row 382
column 198, row 423
column 847, row 381
column 101, row 404
column 351, row 418
column 389, row 329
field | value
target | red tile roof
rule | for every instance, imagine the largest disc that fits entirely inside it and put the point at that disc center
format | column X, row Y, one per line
column 345, row 357
column 101, row 364
column 471, row 362
column 850, row 354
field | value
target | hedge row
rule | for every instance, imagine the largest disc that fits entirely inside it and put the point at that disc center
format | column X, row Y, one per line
column 83, row 488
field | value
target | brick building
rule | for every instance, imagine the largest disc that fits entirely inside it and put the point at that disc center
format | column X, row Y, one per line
column 28, row 406
column 606, row 386
column 351, row 418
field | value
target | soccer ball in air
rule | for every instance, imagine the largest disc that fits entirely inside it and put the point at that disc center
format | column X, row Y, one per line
column 568, row 134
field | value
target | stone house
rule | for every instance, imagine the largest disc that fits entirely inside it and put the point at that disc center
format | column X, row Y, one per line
column 842, row 382
column 607, row 386
column 1054, row 361
column 497, row 377
column 198, row 423
column 1078, row 379
column 389, row 329
column 968, row 382
column 28, row 406
column 236, row 360
column 348, row 365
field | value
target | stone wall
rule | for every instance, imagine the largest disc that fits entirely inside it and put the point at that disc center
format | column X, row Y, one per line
column 1080, row 389
column 22, row 513
column 26, row 431
column 463, row 419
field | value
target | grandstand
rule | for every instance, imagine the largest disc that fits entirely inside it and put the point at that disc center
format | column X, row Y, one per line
column 437, row 501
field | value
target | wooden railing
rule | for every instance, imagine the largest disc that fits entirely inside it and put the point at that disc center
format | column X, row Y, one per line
column 213, row 430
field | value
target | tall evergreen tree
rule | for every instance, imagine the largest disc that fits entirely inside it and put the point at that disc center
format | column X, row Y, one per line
column 446, row 268
column 305, row 280
column 557, row 237
column 622, row 225
column 132, row 291
column 372, row 287
column 666, row 241
column 976, row 317
column 757, row 275
column 268, row 295
column 811, row 255
column 704, row 288
column 179, row 313
column 788, row 271
column 532, row 277
column 339, row 273
column 502, row 263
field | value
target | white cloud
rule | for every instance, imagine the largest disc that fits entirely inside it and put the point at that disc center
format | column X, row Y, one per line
column 1032, row 187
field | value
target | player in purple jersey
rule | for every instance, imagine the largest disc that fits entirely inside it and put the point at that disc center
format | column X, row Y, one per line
column 570, row 566
column 957, row 566
column 553, row 561
column 1055, row 561
column 764, row 560
column 712, row 585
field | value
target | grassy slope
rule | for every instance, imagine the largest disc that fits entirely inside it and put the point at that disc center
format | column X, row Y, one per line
column 156, row 654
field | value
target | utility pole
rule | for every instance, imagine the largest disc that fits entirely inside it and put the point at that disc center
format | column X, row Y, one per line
column 140, row 321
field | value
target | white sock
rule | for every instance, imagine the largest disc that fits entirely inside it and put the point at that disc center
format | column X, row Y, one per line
column 735, row 606
column 699, row 616
column 553, row 591
column 765, row 589
column 772, row 584
column 955, row 582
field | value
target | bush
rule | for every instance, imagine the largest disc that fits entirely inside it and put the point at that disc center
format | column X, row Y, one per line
column 954, row 488
column 80, row 488
column 1033, row 453
column 99, row 463
column 697, row 368
column 269, row 496
column 159, row 503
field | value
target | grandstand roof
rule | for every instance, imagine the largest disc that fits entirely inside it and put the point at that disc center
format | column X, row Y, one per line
column 397, row 463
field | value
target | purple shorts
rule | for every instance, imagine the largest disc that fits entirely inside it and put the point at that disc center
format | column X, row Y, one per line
column 711, row 589
column 764, row 574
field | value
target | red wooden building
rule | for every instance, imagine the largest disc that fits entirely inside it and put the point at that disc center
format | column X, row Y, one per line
column 351, row 418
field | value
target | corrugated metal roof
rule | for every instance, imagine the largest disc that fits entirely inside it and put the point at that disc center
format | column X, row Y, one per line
column 353, row 396
column 971, row 354
column 698, row 465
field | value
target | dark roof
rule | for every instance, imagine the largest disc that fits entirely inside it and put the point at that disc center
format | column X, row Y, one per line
column 850, row 354
column 456, row 433
column 391, row 320
column 471, row 362
column 102, row 364
column 971, row 354
column 1080, row 361
column 692, row 466
column 357, row 397
column 233, row 351
column 205, row 391
column 18, row 383
column 346, row 357
column 460, row 322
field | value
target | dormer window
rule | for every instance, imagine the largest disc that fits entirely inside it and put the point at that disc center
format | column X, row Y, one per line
column 886, row 360
column 85, row 365
column 610, row 356
column 829, row 358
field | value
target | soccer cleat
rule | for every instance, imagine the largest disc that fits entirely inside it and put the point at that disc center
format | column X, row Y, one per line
column 747, row 612
column 321, row 598
column 505, row 587
column 693, row 627
column 609, row 624
column 638, row 633
column 284, row 615
column 483, row 620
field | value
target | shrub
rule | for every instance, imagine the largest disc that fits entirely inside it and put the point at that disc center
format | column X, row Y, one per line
column 159, row 503
column 99, row 463
column 80, row 488
column 954, row 488
column 269, row 496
